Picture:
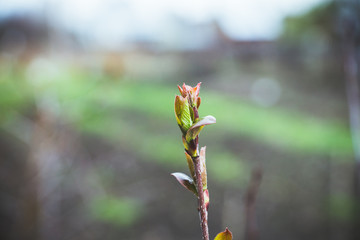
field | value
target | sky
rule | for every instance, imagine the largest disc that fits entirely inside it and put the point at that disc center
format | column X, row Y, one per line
column 110, row 20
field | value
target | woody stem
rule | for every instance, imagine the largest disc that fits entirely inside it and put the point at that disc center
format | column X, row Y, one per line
column 202, row 207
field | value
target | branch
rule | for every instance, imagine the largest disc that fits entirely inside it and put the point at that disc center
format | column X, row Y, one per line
column 251, row 231
column 202, row 206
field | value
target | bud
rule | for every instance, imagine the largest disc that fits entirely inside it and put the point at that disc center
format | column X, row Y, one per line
column 192, row 94
column 186, row 111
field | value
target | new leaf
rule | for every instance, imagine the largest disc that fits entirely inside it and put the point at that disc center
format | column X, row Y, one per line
column 186, row 181
column 225, row 235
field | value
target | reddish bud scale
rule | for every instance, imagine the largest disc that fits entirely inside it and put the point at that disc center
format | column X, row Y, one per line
column 196, row 114
column 207, row 199
column 192, row 148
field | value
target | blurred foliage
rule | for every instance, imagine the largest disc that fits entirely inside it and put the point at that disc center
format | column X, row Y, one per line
column 228, row 168
column 311, row 41
column 318, row 22
column 15, row 94
column 119, row 211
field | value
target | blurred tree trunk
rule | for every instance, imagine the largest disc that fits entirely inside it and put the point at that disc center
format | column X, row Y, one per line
column 40, row 204
column 29, row 222
column 350, row 31
column 251, row 229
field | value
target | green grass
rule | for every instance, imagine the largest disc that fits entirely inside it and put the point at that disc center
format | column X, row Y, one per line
column 97, row 106
column 291, row 132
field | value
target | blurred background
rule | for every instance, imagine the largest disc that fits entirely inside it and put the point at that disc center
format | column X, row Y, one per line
column 88, row 136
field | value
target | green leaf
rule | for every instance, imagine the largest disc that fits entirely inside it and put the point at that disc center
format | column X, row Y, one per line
column 185, row 116
column 195, row 129
column 190, row 165
column 182, row 112
column 179, row 106
column 186, row 181
column 186, row 145
column 225, row 235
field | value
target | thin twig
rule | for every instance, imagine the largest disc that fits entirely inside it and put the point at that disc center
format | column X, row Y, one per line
column 202, row 208
column 251, row 231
